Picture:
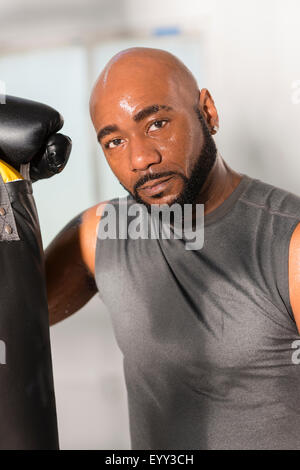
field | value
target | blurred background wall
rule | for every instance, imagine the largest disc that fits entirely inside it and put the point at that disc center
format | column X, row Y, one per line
column 246, row 54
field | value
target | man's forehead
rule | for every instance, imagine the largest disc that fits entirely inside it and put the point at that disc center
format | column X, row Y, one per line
column 131, row 102
column 132, row 96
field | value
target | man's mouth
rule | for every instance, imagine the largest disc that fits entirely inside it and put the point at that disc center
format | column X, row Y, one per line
column 154, row 187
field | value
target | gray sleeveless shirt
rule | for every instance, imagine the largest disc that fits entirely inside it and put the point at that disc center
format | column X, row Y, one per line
column 208, row 336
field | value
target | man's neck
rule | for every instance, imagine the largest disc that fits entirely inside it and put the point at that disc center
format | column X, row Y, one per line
column 221, row 182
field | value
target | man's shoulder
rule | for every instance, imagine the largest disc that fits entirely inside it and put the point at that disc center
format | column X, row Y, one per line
column 92, row 216
column 272, row 198
column 87, row 233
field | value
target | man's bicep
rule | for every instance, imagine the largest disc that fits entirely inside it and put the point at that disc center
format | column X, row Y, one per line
column 294, row 274
column 88, row 231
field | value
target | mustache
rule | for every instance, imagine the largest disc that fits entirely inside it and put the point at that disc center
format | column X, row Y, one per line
column 152, row 177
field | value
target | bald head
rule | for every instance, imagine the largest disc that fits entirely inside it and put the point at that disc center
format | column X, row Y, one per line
column 137, row 68
column 141, row 57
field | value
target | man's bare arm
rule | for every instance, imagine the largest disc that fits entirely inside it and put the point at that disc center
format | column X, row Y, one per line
column 294, row 274
column 70, row 265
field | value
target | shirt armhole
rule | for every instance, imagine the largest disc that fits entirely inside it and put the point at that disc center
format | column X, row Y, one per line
column 283, row 280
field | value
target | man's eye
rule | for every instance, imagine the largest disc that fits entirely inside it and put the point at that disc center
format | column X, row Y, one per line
column 158, row 125
column 113, row 143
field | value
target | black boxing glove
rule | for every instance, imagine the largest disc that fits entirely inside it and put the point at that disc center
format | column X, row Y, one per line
column 54, row 158
column 28, row 134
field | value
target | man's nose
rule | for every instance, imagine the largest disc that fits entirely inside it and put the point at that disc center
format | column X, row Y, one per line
column 143, row 155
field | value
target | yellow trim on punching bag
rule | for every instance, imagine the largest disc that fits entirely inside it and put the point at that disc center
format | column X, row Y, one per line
column 8, row 173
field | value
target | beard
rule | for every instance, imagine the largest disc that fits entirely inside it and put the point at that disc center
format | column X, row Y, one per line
column 194, row 183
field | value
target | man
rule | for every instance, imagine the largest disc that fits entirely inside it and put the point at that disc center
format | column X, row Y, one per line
column 209, row 336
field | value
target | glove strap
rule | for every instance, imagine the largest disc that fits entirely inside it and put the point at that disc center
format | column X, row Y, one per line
column 25, row 170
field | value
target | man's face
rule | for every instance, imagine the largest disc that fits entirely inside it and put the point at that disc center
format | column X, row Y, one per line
column 156, row 142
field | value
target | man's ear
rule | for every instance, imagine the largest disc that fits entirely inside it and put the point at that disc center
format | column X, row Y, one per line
column 208, row 110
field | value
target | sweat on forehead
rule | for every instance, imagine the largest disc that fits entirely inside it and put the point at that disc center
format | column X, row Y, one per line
column 140, row 67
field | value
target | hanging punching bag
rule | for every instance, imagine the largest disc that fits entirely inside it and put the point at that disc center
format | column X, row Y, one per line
column 27, row 402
